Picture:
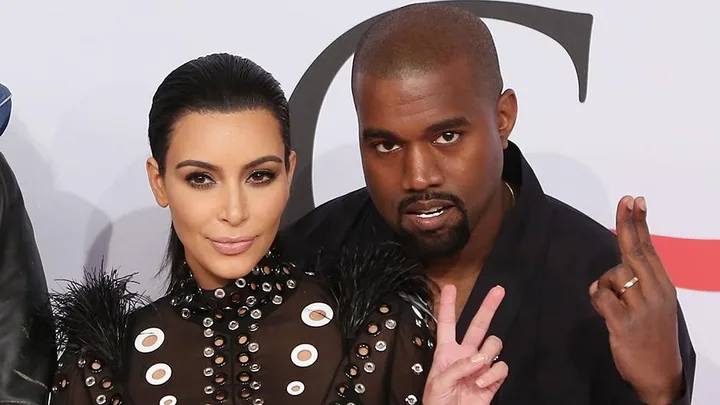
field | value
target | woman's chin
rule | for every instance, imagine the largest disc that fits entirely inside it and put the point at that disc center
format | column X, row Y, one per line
column 232, row 269
column 214, row 269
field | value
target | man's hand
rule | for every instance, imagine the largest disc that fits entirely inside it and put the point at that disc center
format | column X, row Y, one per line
column 461, row 374
column 638, row 301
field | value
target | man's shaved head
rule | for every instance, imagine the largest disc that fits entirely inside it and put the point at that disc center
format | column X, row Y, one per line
column 420, row 37
column 433, row 121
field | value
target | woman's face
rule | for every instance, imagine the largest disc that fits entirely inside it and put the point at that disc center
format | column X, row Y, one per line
column 226, row 185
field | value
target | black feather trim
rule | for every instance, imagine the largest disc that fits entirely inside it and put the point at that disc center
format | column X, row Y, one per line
column 359, row 278
column 92, row 317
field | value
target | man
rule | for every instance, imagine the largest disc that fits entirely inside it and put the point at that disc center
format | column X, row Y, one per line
column 588, row 318
column 27, row 349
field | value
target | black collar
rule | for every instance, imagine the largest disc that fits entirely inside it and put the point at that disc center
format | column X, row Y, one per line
column 250, row 297
column 517, row 252
column 519, row 248
column 513, row 262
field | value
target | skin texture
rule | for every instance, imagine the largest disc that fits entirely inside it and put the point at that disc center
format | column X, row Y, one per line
column 408, row 156
column 225, row 178
column 215, row 188
column 461, row 374
column 431, row 134
column 642, row 320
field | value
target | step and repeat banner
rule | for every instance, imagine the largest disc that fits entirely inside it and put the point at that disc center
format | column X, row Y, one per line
column 616, row 97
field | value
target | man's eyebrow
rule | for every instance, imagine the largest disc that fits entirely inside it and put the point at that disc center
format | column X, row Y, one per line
column 447, row 124
column 376, row 133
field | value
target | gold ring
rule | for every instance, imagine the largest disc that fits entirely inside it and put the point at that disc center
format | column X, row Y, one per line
column 628, row 285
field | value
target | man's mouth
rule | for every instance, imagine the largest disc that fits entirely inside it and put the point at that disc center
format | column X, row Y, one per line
column 430, row 213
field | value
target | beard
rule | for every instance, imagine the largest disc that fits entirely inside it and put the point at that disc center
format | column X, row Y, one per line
column 436, row 244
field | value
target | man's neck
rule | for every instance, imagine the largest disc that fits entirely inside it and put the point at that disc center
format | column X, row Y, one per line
column 463, row 268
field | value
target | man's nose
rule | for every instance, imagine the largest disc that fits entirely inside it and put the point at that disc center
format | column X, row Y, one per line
column 420, row 169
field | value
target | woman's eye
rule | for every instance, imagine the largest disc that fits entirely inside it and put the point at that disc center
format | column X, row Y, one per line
column 447, row 138
column 261, row 177
column 199, row 180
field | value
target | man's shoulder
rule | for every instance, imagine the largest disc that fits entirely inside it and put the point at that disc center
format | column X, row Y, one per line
column 581, row 238
column 9, row 189
column 334, row 216
column 329, row 211
column 325, row 227
column 570, row 220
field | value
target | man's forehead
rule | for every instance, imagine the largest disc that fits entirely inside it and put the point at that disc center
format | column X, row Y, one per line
column 416, row 109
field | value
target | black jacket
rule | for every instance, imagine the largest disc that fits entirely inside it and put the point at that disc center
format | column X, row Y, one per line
column 546, row 256
column 27, row 349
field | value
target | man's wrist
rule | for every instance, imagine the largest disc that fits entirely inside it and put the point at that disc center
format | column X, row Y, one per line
column 665, row 396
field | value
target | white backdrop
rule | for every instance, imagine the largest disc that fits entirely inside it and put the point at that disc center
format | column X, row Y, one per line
column 83, row 74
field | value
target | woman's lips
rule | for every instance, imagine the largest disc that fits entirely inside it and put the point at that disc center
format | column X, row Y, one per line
column 232, row 246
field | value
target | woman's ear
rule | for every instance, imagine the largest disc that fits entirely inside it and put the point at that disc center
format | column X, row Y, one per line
column 292, row 161
column 157, row 183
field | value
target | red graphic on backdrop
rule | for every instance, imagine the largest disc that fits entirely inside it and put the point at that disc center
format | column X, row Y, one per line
column 692, row 264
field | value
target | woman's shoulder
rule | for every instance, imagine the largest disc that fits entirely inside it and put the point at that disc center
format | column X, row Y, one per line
column 92, row 320
column 361, row 281
column 96, row 314
column 381, row 300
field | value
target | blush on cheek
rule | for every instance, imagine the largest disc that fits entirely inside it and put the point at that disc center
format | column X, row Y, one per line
column 197, row 216
column 272, row 208
column 266, row 205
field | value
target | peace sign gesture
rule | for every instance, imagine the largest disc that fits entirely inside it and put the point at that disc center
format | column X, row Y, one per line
column 460, row 373
column 638, row 301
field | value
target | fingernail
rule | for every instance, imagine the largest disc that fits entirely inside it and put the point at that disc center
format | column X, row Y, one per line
column 478, row 358
column 481, row 382
column 631, row 203
column 594, row 287
column 642, row 204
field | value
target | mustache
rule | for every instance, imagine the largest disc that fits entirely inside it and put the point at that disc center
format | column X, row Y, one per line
column 430, row 195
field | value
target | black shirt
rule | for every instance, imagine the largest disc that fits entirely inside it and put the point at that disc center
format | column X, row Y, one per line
column 277, row 336
column 546, row 256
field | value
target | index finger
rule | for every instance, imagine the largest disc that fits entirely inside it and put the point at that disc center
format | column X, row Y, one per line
column 481, row 321
column 645, row 240
column 629, row 242
column 446, row 316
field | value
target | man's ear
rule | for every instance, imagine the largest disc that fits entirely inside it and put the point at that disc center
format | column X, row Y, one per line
column 507, row 110
column 157, row 183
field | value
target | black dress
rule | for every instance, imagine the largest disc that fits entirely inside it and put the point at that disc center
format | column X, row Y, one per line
column 355, row 330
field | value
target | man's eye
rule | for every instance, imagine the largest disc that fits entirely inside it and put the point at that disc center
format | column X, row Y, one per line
column 447, row 138
column 386, row 147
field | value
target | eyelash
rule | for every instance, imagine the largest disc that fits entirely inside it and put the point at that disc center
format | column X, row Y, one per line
column 195, row 179
column 377, row 144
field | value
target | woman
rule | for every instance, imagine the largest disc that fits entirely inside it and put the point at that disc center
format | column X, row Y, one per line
column 238, row 324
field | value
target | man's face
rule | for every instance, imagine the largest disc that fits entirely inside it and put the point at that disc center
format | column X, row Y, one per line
column 432, row 152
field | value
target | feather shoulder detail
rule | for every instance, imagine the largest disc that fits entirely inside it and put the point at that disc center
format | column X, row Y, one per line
column 359, row 278
column 92, row 317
